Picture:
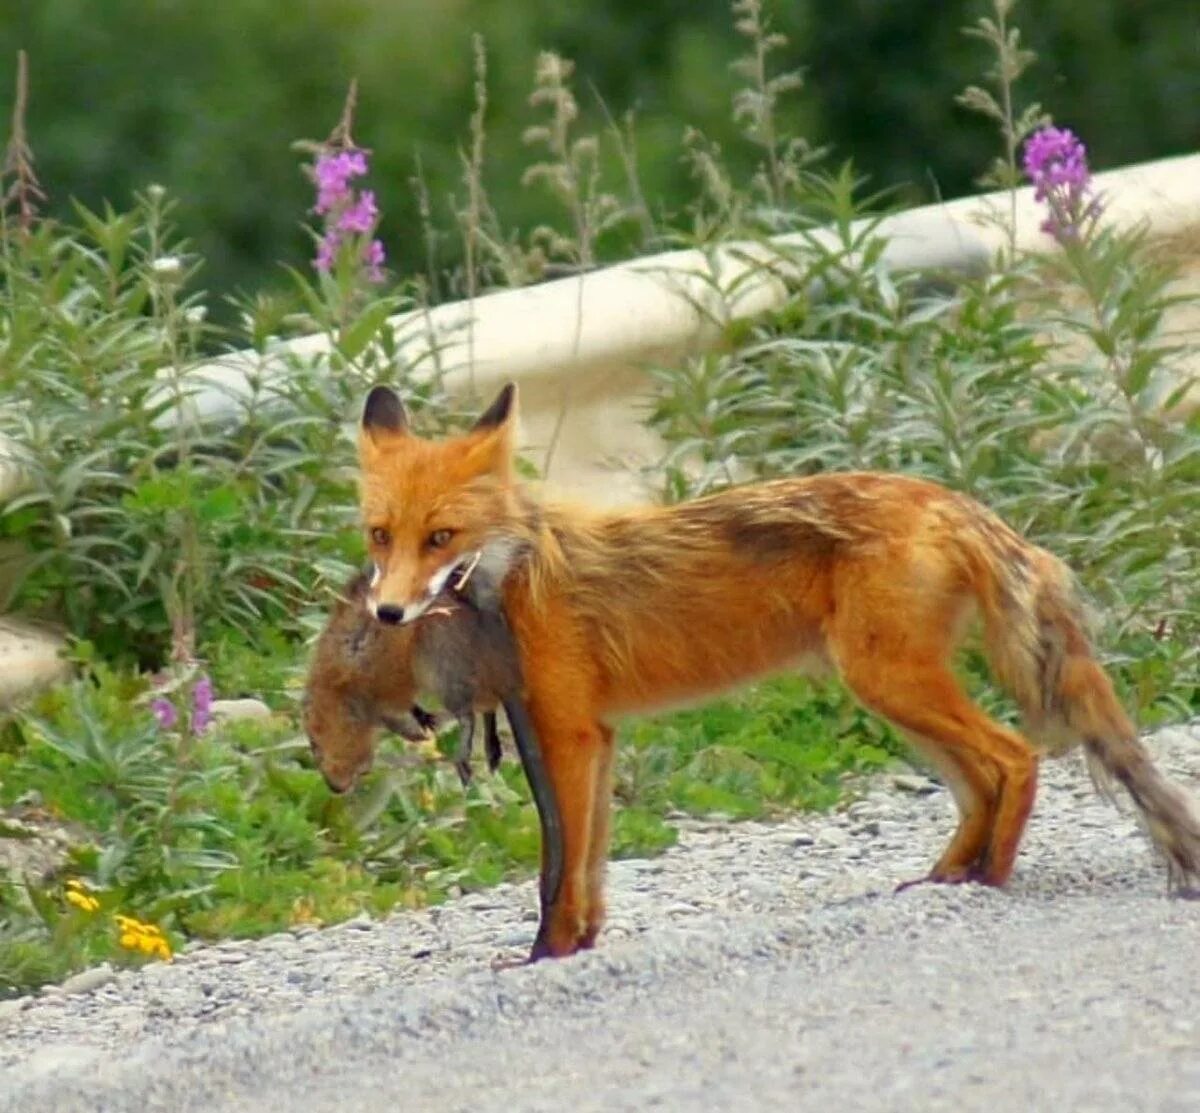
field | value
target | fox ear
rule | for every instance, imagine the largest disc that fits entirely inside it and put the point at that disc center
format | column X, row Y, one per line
column 383, row 413
column 498, row 413
column 491, row 437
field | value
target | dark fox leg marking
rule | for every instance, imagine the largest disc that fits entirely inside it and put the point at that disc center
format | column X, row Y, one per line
column 549, row 816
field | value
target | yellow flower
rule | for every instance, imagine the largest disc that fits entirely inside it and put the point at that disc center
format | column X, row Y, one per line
column 82, row 900
column 428, row 749
column 304, row 911
column 79, row 896
column 146, row 938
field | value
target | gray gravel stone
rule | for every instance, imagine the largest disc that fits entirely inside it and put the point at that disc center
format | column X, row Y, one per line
column 835, row 837
column 754, row 966
column 88, row 980
column 911, row 782
column 240, row 709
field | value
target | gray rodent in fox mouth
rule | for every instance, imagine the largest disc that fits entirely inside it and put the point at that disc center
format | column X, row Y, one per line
column 366, row 675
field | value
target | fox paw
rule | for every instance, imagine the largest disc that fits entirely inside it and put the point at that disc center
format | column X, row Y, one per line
column 960, row 875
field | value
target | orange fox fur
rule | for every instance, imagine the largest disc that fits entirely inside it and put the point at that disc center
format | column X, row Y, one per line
column 872, row 576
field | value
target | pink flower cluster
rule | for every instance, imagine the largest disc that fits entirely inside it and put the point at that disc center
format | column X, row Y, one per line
column 202, row 700
column 347, row 211
column 1056, row 163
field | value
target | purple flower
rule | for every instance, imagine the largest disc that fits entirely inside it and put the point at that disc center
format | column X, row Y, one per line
column 347, row 212
column 1056, row 163
column 373, row 257
column 327, row 250
column 333, row 173
column 202, row 701
column 164, row 711
column 354, row 162
column 361, row 215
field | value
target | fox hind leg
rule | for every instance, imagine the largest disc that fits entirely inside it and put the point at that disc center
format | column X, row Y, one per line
column 974, row 786
column 991, row 771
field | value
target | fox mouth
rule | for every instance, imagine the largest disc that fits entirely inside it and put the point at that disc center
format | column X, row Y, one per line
column 456, row 574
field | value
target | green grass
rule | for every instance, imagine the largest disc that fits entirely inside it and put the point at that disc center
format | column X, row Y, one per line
column 781, row 745
column 237, row 836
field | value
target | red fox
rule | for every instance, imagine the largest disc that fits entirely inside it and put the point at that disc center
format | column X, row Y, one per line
column 871, row 576
column 365, row 676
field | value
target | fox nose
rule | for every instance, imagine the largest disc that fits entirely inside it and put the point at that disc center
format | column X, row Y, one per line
column 389, row 613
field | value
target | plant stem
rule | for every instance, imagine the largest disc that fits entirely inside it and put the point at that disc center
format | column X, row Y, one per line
column 1009, row 128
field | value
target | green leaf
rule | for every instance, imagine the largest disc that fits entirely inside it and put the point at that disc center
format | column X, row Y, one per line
column 220, row 504
column 352, row 341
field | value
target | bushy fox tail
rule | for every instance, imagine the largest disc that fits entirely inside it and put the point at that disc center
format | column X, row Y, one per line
column 1035, row 633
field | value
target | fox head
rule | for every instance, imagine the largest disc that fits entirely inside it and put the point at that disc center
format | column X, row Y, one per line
column 431, row 508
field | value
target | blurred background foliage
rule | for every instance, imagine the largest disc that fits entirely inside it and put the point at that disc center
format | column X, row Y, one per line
column 206, row 99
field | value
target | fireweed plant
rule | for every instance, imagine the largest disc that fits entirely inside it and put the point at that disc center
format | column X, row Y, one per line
column 159, row 522
column 350, row 216
column 190, row 548
column 1124, row 452
column 1056, row 163
column 1054, row 390
column 166, row 712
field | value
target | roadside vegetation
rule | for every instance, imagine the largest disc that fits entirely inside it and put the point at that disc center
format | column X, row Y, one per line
column 192, row 555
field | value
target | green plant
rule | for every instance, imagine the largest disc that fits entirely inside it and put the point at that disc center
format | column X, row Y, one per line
column 128, row 522
column 154, row 514
column 1122, row 466
column 783, row 745
column 1011, row 63
column 228, row 832
column 571, row 170
column 93, row 761
column 1045, row 390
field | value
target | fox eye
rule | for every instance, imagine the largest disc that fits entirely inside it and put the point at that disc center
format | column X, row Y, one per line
column 440, row 538
column 380, row 536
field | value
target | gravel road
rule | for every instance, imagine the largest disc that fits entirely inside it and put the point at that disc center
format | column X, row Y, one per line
column 754, row 967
